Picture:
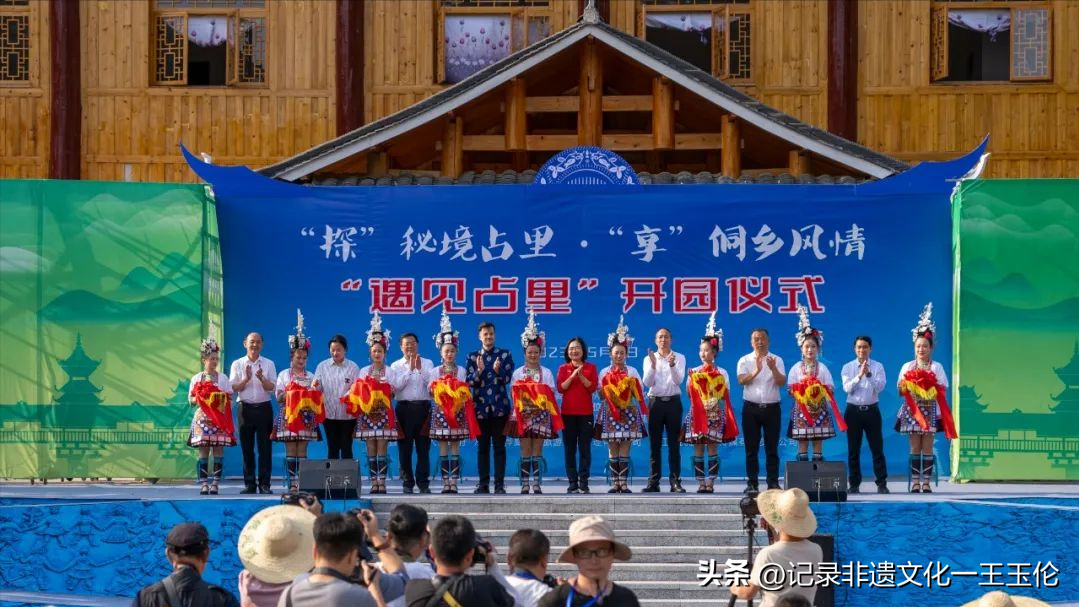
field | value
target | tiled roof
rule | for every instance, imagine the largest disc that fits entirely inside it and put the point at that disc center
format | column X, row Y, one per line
column 512, row 177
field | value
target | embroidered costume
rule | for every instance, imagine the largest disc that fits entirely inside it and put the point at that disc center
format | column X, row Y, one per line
column 622, row 407
column 302, row 410
column 710, row 418
column 535, row 408
column 211, row 425
column 453, row 414
column 924, row 390
column 815, row 413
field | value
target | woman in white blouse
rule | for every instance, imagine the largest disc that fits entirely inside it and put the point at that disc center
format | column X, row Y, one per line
column 819, row 425
column 206, row 436
column 377, row 427
column 449, row 430
column 529, row 422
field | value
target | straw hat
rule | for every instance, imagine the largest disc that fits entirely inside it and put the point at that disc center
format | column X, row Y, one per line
column 590, row 529
column 1003, row 599
column 277, row 544
column 788, row 511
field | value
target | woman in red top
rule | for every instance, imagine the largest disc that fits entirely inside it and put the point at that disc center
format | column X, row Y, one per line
column 577, row 380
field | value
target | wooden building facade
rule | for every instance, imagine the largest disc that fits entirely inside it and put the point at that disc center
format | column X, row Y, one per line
column 107, row 90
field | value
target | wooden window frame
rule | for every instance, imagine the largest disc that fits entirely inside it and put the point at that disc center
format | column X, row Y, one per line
column 721, row 13
column 29, row 11
column 939, row 57
column 232, row 57
column 519, row 17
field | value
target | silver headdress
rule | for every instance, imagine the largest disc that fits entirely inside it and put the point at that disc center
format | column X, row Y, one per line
column 209, row 345
column 620, row 336
column 532, row 334
column 376, row 334
column 925, row 327
column 446, row 334
column 299, row 341
column 713, row 335
column 805, row 330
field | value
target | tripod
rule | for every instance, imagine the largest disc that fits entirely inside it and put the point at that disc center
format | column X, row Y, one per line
column 749, row 523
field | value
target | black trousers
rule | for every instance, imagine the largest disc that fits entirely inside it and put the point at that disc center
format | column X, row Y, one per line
column 256, row 422
column 577, row 438
column 339, row 438
column 492, row 432
column 411, row 416
column 665, row 414
column 756, row 421
column 865, row 419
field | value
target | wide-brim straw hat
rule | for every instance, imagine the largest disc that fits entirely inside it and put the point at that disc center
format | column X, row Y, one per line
column 1003, row 599
column 788, row 511
column 593, row 529
column 277, row 544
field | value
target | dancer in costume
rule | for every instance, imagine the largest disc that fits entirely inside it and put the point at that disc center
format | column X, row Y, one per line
column 211, row 428
column 577, row 380
column 710, row 420
column 534, row 417
column 301, row 406
column 923, row 386
column 371, row 400
column 815, row 414
column 453, row 414
column 621, row 414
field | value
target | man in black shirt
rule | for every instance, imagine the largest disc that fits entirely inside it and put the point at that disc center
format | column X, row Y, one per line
column 453, row 544
column 188, row 549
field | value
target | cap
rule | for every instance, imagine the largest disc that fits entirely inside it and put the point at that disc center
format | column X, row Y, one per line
column 188, row 537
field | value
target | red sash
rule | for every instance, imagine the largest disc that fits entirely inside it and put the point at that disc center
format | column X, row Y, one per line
column 215, row 404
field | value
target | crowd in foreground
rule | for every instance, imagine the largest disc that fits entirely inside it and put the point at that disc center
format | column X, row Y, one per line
column 300, row 556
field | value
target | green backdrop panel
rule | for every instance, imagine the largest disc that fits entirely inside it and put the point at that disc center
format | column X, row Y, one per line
column 1017, row 352
column 106, row 287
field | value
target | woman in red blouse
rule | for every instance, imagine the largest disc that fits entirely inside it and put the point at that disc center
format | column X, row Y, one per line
column 577, row 380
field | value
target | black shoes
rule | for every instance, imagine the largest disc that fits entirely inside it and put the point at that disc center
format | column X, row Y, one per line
column 500, row 489
column 853, row 489
column 751, row 489
column 248, row 490
column 265, row 490
column 651, row 488
column 424, row 489
column 882, row 489
column 481, row 489
column 573, row 487
column 676, row 486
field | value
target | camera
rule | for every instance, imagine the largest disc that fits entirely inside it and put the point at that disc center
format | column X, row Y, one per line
column 479, row 554
column 365, row 545
column 748, row 506
column 298, row 498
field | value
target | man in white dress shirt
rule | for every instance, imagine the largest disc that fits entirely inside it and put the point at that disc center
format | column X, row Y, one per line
column 253, row 379
column 863, row 381
column 761, row 374
column 413, row 407
column 664, row 372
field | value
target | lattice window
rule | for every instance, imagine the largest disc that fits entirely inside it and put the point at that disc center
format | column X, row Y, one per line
column 15, row 43
column 1001, row 41
column 716, row 36
column 478, row 33
column 210, row 42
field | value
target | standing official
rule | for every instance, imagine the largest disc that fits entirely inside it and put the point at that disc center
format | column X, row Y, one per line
column 863, row 381
column 489, row 371
column 413, row 409
column 253, row 379
column 664, row 372
column 335, row 376
column 761, row 375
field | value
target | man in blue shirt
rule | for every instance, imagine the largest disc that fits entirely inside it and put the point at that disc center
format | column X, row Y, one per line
column 488, row 372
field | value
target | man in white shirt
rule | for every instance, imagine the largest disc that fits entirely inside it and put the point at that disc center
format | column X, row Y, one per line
column 253, row 378
column 664, row 372
column 762, row 375
column 863, row 381
column 413, row 406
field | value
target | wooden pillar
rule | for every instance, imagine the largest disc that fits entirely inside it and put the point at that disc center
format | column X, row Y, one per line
column 798, row 162
column 453, row 153
column 731, row 159
column 348, row 60
column 65, row 114
column 590, row 114
column 843, row 68
column 378, row 163
column 662, row 114
column 516, row 119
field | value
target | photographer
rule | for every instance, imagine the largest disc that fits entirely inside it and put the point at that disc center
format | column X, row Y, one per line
column 788, row 513
column 275, row 546
column 529, row 551
column 188, row 549
column 340, row 552
column 409, row 537
column 456, row 549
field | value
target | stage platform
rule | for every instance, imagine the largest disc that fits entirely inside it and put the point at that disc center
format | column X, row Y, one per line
column 102, row 541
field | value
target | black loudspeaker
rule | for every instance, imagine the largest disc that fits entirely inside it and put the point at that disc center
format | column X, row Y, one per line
column 330, row 478
column 825, row 596
column 823, row 481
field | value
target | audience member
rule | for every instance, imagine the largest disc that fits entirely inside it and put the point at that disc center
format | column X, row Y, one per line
column 188, row 549
column 275, row 546
column 409, row 537
column 594, row 549
column 1003, row 599
column 528, row 554
column 454, row 544
column 793, row 600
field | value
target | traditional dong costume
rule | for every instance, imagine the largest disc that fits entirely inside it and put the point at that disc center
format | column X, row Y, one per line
column 535, row 408
column 815, row 413
column 711, row 418
column 621, row 415
column 370, row 399
column 302, row 409
column 453, row 414
column 212, row 424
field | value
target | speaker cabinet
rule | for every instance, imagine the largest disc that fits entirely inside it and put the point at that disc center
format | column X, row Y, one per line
column 330, row 478
column 822, row 481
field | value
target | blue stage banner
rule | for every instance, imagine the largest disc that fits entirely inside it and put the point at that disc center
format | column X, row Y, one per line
column 864, row 259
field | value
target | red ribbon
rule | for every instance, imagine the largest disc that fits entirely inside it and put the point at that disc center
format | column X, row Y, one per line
column 799, row 389
column 298, row 398
column 614, row 378
column 364, row 391
column 529, row 390
column 445, row 388
column 926, row 380
column 215, row 404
